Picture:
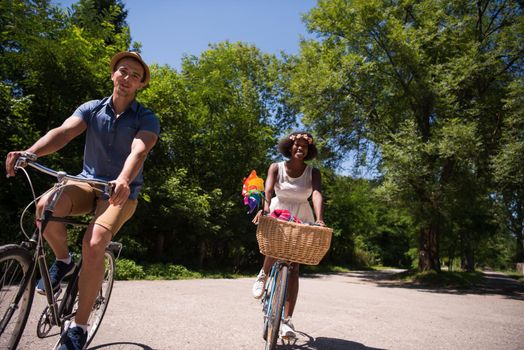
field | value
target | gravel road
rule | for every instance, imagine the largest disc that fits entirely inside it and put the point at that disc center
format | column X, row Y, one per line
column 356, row 310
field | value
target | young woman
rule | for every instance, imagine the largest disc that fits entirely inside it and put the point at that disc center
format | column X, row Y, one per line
column 293, row 182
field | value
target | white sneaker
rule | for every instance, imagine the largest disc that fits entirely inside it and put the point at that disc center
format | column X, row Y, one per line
column 287, row 330
column 259, row 285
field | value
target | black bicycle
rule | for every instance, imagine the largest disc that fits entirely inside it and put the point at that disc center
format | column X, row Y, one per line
column 18, row 265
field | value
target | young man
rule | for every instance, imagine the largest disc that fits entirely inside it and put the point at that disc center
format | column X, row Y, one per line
column 120, row 132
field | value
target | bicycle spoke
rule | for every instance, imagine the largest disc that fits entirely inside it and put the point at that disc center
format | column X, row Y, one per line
column 16, row 294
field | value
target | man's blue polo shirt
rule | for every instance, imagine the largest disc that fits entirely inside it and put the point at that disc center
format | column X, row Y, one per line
column 108, row 139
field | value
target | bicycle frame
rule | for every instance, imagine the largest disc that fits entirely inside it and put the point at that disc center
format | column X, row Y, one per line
column 36, row 244
column 269, row 296
column 275, row 270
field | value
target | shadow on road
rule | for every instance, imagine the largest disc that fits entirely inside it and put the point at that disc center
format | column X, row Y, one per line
column 494, row 284
column 121, row 345
column 322, row 343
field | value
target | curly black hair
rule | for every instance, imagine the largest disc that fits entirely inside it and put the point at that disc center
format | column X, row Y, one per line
column 285, row 144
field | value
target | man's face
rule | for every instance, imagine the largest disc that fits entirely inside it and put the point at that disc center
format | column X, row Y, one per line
column 127, row 78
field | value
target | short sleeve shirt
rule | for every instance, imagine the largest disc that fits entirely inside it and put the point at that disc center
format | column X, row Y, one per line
column 108, row 139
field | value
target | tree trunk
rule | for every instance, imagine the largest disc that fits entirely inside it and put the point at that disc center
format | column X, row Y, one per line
column 202, row 253
column 520, row 247
column 518, row 230
column 160, row 245
column 467, row 262
column 428, row 255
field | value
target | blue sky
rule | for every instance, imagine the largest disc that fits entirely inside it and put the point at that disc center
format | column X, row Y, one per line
column 168, row 29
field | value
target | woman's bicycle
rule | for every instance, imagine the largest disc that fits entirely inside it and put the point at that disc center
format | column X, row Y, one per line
column 289, row 243
column 18, row 265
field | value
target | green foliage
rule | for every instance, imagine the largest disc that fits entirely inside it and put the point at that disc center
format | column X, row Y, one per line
column 368, row 230
column 216, row 118
column 443, row 279
column 425, row 83
column 508, row 167
column 432, row 90
column 128, row 270
column 169, row 272
column 48, row 67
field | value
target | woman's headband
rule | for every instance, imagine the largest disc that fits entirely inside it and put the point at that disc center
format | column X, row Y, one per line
column 308, row 138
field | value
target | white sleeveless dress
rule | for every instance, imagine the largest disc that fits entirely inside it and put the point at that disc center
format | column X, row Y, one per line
column 292, row 193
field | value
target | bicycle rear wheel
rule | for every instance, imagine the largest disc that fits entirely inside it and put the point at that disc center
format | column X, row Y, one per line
column 102, row 299
column 17, row 289
column 276, row 306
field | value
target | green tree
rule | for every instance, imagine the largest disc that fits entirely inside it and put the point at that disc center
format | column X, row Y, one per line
column 49, row 66
column 216, row 118
column 424, row 82
column 508, row 167
column 104, row 19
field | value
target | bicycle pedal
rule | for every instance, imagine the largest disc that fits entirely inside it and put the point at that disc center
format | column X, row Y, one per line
column 288, row 340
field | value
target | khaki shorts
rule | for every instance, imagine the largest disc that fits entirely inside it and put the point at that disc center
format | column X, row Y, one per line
column 85, row 199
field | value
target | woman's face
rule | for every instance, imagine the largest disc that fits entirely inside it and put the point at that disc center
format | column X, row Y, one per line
column 299, row 149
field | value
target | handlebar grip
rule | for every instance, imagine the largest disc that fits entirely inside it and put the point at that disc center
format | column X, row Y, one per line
column 109, row 188
column 21, row 161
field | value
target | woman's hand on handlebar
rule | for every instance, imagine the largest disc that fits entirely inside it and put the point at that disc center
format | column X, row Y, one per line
column 259, row 214
column 320, row 223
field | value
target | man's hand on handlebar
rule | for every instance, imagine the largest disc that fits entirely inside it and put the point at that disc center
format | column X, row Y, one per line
column 121, row 192
column 12, row 157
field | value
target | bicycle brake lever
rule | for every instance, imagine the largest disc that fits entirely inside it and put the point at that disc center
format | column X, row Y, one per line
column 21, row 161
column 31, row 156
column 109, row 188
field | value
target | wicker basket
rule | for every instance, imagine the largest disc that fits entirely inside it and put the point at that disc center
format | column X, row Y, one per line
column 305, row 244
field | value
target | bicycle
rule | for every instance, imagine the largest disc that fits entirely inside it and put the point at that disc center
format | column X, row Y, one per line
column 273, row 301
column 288, row 243
column 19, row 262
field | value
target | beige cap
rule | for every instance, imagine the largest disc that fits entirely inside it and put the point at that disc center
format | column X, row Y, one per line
column 135, row 55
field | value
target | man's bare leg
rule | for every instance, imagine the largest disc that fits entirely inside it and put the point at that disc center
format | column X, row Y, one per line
column 94, row 244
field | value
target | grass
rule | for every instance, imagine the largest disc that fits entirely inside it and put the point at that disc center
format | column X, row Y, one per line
column 515, row 275
column 443, row 279
column 130, row 270
column 323, row 269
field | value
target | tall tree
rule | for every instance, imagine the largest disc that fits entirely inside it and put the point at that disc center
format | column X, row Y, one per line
column 217, row 125
column 48, row 66
column 424, row 82
column 509, row 168
column 104, row 19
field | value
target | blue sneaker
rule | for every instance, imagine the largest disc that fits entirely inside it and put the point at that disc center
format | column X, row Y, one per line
column 75, row 339
column 57, row 272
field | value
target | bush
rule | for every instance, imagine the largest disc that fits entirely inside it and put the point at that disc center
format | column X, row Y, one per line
column 128, row 270
column 169, row 272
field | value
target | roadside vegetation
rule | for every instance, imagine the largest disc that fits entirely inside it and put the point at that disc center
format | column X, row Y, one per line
column 416, row 108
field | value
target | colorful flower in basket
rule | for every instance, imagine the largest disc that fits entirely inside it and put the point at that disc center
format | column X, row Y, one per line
column 284, row 215
column 253, row 191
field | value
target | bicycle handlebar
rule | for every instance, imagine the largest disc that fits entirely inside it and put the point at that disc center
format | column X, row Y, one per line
column 30, row 159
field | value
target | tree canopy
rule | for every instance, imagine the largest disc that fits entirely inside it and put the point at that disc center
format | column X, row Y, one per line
column 427, row 92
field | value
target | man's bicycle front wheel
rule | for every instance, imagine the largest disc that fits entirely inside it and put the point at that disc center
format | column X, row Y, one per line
column 102, row 298
column 17, row 289
column 276, row 307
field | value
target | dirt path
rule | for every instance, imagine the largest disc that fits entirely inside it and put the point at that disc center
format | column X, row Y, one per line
column 357, row 310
